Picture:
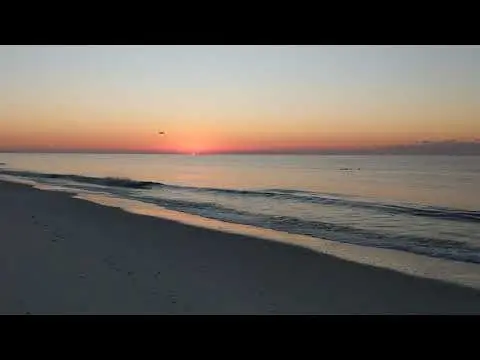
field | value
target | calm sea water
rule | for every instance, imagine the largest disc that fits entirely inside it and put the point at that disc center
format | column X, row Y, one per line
column 427, row 205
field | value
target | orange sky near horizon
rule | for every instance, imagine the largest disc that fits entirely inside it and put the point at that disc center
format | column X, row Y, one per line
column 228, row 99
column 207, row 141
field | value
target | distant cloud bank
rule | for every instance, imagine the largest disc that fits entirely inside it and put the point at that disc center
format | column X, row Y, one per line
column 425, row 147
column 447, row 147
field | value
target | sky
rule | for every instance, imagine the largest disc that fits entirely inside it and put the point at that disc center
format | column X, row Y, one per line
column 236, row 98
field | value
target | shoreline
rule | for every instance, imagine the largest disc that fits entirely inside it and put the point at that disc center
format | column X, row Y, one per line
column 62, row 255
column 419, row 265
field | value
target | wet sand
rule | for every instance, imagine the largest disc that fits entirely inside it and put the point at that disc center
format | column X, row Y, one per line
column 60, row 255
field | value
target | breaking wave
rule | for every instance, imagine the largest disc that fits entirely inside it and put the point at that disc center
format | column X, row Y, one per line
column 288, row 194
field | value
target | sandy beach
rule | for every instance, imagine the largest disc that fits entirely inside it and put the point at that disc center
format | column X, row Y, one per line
column 60, row 255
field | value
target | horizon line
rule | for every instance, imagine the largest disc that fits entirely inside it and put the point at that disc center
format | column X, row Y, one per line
column 445, row 147
column 385, row 153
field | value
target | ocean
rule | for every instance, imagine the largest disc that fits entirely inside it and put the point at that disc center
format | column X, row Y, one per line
column 410, row 205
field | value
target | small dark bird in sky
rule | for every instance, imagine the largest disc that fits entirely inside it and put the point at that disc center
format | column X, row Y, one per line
column 161, row 132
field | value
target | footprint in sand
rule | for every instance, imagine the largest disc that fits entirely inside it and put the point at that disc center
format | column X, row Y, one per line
column 57, row 236
column 46, row 228
column 173, row 297
column 111, row 264
column 272, row 310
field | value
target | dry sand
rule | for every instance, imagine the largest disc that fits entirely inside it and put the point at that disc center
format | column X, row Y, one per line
column 60, row 255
